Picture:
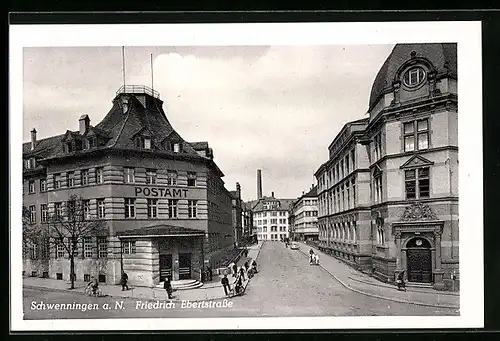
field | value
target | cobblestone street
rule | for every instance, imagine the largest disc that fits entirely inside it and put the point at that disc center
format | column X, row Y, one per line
column 286, row 285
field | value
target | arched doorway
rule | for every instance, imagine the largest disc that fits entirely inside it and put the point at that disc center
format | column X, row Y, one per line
column 419, row 262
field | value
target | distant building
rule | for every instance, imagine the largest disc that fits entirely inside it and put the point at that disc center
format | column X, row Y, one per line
column 247, row 222
column 162, row 199
column 237, row 214
column 270, row 217
column 388, row 195
column 304, row 216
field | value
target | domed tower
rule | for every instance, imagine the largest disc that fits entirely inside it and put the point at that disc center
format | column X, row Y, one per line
column 414, row 72
column 411, row 143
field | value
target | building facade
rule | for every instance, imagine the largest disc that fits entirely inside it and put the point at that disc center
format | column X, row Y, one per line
column 270, row 217
column 247, row 223
column 161, row 199
column 237, row 212
column 303, row 217
column 388, row 195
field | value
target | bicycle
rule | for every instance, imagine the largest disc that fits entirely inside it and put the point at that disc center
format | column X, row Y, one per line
column 90, row 292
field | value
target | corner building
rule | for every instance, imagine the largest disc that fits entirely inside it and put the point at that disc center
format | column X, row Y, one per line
column 163, row 199
column 388, row 195
column 303, row 216
column 270, row 218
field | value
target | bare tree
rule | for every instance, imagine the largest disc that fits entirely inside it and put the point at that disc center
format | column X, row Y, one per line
column 67, row 226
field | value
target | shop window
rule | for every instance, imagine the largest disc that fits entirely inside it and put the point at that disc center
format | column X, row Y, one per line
column 34, row 273
column 45, row 274
column 59, row 276
column 102, row 278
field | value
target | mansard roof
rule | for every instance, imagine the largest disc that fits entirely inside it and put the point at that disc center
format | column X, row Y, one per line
column 118, row 129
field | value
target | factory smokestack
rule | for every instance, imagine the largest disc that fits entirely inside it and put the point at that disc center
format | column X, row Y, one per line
column 259, row 184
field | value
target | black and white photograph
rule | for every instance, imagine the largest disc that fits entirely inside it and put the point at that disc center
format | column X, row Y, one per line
column 285, row 176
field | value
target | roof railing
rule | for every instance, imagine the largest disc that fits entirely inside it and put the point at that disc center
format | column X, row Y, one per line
column 138, row 89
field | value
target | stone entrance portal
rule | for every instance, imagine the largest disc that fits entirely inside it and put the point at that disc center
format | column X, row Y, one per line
column 419, row 263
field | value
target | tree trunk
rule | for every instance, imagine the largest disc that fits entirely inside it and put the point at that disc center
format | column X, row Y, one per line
column 72, row 269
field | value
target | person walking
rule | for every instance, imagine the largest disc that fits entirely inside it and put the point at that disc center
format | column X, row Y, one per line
column 254, row 266
column 124, row 280
column 209, row 273
column 168, row 287
column 246, row 266
column 225, row 283
column 235, row 269
column 400, row 281
column 242, row 273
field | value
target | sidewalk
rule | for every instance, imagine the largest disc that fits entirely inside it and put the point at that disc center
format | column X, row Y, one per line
column 209, row 291
column 366, row 285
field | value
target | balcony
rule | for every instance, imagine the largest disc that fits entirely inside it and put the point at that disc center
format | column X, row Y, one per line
column 138, row 89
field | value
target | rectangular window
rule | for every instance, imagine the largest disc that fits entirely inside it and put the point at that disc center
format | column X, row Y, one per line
column 101, row 209
column 421, row 135
column 410, row 184
column 102, row 247
column 423, row 182
column 171, row 178
column 152, row 208
column 347, row 164
column 128, row 175
column 353, row 185
column 57, row 181
column 192, row 208
column 128, row 247
column 43, row 212
column 146, row 143
column 43, row 185
column 70, row 179
column 176, row 147
column 87, row 247
column 86, row 209
column 191, row 179
column 58, row 210
column 32, row 210
column 172, row 208
column 60, row 249
column 378, row 188
column 129, row 208
column 353, row 158
column 31, row 186
column 151, row 176
column 71, row 209
column 417, row 183
column 274, row 221
column 84, row 177
column 99, row 175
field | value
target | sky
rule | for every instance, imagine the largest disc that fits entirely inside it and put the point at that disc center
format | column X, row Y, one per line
column 274, row 108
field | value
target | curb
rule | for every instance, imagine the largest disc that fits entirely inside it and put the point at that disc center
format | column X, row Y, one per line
column 412, row 290
column 383, row 297
column 119, row 296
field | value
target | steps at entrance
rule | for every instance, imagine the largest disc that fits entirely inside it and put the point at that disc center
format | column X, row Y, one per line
column 184, row 284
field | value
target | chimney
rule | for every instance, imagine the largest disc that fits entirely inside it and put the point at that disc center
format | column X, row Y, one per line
column 238, row 190
column 84, row 123
column 33, row 139
column 259, row 184
column 272, row 194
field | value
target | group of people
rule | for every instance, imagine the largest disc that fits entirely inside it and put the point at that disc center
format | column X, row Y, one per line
column 313, row 257
column 246, row 271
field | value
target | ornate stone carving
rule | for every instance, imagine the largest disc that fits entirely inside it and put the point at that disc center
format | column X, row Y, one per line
column 418, row 211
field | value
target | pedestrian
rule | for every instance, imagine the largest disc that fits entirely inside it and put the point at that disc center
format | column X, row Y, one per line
column 225, row 283
column 168, row 287
column 254, row 266
column 123, row 281
column 246, row 266
column 316, row 259
column 209, row 273
column 238, row 287
column 235, row 269
column 242, row 273
column 400, row 281
column 311, row 257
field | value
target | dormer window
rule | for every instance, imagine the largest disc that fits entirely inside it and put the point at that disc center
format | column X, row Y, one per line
column 414, row 77
column 29, row 163
column 70, row 147
column 143, row 142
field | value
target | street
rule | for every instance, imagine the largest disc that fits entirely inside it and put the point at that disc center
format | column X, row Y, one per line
column 286, row 285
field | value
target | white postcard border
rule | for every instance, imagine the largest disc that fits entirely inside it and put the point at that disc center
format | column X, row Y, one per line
column 466, row 34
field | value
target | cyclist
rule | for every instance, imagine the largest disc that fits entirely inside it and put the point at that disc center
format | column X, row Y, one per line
column 94, row 285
